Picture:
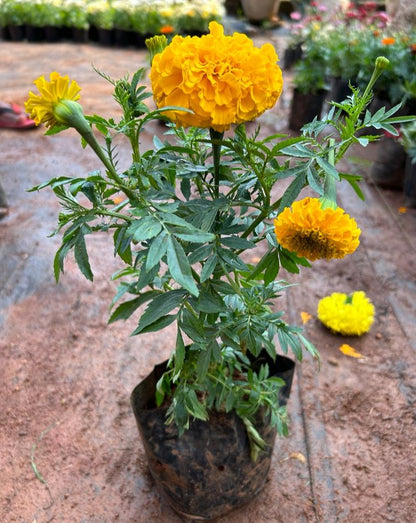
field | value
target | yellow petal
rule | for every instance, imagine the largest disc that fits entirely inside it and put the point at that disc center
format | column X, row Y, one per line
column 350, row 351
column 298, row 455
column 305, row 317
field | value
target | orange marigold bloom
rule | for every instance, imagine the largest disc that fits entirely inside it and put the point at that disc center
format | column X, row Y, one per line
column 316, row 233
column 389, row 40
column 223, row 80
column 167, row 29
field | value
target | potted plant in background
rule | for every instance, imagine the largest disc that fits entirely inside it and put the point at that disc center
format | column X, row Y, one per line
column 185, row 217
column 408, row 140
column 310, row 83
column 13, row 17
column 76, row 22
column 260, row 11
column 123, row 23
column 101, row 20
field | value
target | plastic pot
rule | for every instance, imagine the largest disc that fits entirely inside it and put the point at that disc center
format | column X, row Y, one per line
column 304, row 107
column 16, row 32
column 388, row 168
column 208, row 471
column 410, row 183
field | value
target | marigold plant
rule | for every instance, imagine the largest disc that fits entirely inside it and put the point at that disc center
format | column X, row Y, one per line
column 185, row 214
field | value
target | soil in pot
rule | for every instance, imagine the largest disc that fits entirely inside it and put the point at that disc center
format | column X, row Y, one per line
column 208, row 471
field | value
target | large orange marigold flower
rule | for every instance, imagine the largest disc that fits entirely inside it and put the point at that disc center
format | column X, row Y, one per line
column 222, row 79
column 316, row 233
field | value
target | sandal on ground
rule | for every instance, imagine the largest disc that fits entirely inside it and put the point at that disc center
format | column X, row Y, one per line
column 4, row 211
column 20, row 120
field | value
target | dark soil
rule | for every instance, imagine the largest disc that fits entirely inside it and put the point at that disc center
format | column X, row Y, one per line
column 70, row 450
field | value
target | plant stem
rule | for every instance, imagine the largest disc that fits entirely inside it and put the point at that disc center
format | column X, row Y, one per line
column 216, row 140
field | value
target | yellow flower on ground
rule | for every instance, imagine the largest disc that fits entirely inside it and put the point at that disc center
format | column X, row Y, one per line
column 316, row 233
column 223, row 80
column 347, row 314
column 42, row 107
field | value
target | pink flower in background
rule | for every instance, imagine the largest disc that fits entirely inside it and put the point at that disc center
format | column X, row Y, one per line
column 295, row 15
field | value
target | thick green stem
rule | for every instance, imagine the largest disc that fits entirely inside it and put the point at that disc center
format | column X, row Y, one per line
column 329, row 199
column 381, row 64
column 70, row 113
column 216, row 140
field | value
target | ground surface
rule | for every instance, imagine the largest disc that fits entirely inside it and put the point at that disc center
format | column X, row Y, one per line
column 69, row 446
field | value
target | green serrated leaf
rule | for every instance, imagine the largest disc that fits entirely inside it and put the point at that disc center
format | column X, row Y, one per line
column 58, row 262
column 160, row 306
column 314, row 180
column 292, row 192
column 194, row 236
column 210, row 301
column 272, row 269
column 327, row 167
column 194, row 407
column 144, row 229
column 179, row 266
column 127, row 308
column 81, row 256
column 179, row 353
column 209, row 267
column 122, row 244
column 157, row 325
column 235, row 242
column 156, row 251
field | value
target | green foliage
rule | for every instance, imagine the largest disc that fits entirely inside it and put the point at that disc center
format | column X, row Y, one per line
column 408, row 139
column 311, row 73
column 184, row 228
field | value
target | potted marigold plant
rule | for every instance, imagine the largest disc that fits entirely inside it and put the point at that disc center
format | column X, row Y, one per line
column 310, row 82
column 190, row 211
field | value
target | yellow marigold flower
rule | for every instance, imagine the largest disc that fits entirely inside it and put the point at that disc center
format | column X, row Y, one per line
column 349, row 315
column 316, row 233
column 42, row 107
column 222, row 79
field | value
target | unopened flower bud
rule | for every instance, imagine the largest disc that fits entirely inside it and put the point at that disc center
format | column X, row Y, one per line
column 382, row 62
column 70, row 113
column 156, row 45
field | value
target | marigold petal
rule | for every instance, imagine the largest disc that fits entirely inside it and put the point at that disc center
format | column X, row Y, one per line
column 350, row 351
